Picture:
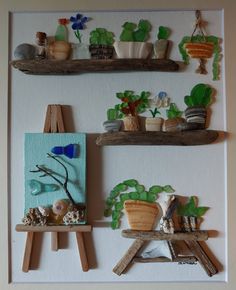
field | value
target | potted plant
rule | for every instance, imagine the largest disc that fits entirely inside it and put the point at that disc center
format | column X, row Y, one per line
column 113, row 123
column 154, row 123
column 133, row 39
column 101, row 43
column 174, row 121
column 190, row 214
column 131, row 105
column 79, row 50
column 162, row 43
column 200, row 97
column 139, row 205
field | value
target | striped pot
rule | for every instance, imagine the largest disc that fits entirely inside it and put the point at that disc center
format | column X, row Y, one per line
column 199, row 49
column 196, row 115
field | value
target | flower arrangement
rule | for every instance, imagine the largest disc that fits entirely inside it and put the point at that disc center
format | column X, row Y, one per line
column 78, row 23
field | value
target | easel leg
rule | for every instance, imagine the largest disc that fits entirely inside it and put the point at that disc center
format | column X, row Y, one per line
column 82, row 251
column 54, row 241
column 28, row 251
column 128, row 257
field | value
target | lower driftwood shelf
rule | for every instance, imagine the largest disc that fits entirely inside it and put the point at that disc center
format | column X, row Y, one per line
column 54, row 230
column 189, row 238
column 184, row 138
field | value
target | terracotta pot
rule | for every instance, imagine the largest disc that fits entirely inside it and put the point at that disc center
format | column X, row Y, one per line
column 131, row 123
column 141, row 214
column 160, row 48
column 200, row 49
column 196, row 115
column 101, row 51
column 154, row 124
column 59, row 50
column 129, row 49
column 173, row 125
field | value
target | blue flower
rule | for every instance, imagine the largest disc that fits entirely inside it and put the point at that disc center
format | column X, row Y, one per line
column 78, row 23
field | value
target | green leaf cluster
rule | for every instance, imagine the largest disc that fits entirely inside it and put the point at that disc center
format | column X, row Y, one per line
column 200, row 96
column 134, row 32
column 200, row 38
column 100, row 36
column 154, row 112
column 126, row 190
column 163, row 33
column 191, row 208
column 173, row 111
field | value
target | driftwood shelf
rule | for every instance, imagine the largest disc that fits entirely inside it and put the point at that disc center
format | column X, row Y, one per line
column 63, row 67
column 184, row 138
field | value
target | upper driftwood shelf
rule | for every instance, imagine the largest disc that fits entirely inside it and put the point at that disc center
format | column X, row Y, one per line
column 60, row 67
column 184, row 138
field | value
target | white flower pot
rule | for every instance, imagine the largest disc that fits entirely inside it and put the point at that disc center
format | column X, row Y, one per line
column 129, row 49
column 80, row 51
column 154, row 124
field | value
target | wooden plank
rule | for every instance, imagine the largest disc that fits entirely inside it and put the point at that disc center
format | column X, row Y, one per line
column 82, row 251
column 159, row 235
column 128, row 257
column 183, row 138
column 202, row 257
column 47, row 123
column 60, row 122
column 28, row 251
column 54, row 241
column 63, row 228
column 184, row 260
column 55, row 67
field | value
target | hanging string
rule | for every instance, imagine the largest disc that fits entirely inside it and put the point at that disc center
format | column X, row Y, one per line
column 198, row 25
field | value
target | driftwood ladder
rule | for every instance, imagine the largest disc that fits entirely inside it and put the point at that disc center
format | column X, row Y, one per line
column 141, row 238
column 54, row 124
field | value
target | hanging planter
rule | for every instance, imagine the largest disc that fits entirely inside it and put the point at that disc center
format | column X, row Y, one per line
column 201, row 47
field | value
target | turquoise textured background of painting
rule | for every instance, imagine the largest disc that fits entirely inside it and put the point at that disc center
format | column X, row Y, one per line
column 37, row 145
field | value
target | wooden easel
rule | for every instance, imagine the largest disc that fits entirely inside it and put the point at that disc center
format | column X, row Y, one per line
column 54, row 124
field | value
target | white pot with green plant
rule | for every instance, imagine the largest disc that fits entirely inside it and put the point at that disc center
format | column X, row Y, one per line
column 139, row 205
column 113, row 123
column 160, row 47
column 154, row 123
column 101, row 44
column 133, row 40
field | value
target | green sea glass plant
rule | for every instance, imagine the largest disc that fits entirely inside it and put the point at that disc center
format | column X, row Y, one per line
column 130, row 190
column 134, row 32
column 173, row 111
column 163, row 33
column 154, row 112
column 201, row 95
column 100, row 36
column 191, row 208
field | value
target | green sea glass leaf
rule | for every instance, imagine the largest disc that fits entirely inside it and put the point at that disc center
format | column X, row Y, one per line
column 120, row 187
column 115, row 224
column 119, row 206
column 168, row 189
column 134, row 195
column 144, row 196
column 107, row 212
column 140, row 188
column 155, row 189
column 131, row 182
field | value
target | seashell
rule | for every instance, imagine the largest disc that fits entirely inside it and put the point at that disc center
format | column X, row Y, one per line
column 25, row 51
column 73, row 217
column 60, row 207
column 45, row 211
column 59, row 50
column 34, row 218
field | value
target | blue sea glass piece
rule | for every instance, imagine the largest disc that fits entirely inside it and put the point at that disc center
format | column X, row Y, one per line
column 37, row 187
column 71, row 150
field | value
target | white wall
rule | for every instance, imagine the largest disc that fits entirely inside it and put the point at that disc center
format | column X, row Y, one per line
column 190, row 170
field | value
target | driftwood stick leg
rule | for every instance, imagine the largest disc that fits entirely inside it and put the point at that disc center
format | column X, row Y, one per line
column 28, row 251
column 82, row 251
column 54, row 241
column 128, row 257
column 202, row 257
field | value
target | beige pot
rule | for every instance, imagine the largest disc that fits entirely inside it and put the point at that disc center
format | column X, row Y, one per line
column 141, row 214
column 129, row 49
column 154, row 124
column 59, row 50
column 131, row 123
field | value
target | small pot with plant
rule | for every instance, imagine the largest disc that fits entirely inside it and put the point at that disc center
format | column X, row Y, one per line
column 113, row 124
column 139, row 205
column 131, row 106
column 133, row 39
column 191, row 214
column 174, row 122
column 154, row 123
column 101, row 44
column 196, row 112
column 162, row 43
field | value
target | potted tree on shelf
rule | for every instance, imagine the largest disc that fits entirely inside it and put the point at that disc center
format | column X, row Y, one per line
column 139, row 205
column 101, row 43
column 196, row 112
column 154, row 123
column 133, row 39
column 162, row 43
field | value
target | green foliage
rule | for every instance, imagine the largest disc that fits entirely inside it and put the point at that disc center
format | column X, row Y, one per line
column 163, row 33
column 154, row 112
column 198, row 39
column 131, row 104
column 200, row 96
column 126, row 190
column 113, row 114
column 134, row 32
column 191, row 208
column 100, row 36
column 173, row 111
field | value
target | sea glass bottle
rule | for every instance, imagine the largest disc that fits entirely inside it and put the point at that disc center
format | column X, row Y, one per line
column 62, row 32
column 71, row 150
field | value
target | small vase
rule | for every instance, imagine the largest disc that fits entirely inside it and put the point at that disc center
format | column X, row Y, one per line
column 59, row 50
column 160, row 48
column 154, row 124
column 112, row 125
column 80, row 51
column 131, row 123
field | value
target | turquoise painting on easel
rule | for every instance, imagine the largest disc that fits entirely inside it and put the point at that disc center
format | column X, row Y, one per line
column 55, row 178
